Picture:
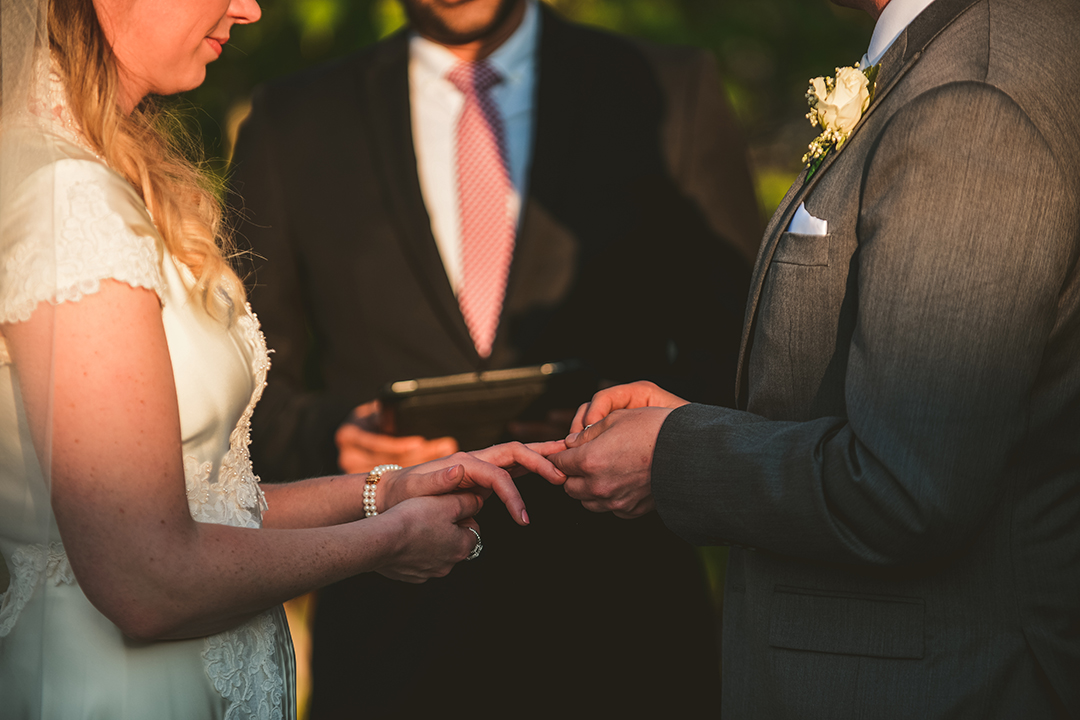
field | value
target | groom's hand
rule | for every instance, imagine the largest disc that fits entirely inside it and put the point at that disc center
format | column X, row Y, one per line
column 609, row 465
column 639, row 394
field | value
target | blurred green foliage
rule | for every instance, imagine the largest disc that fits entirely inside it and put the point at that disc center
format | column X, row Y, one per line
column 767, row 50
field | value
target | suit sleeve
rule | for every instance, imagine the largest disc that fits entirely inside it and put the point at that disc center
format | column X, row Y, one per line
column 293, row 425
column 968, row 230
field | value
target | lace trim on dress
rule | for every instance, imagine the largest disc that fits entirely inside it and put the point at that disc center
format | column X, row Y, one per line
column 242, row 663
column 93, row 244
column 235, row 498
column 29, row 565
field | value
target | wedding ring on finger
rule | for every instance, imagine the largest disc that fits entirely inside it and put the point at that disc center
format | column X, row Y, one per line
column 586, row 427
column 479, row 546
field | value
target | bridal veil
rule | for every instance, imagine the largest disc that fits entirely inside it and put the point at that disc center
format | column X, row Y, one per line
column 33, row 563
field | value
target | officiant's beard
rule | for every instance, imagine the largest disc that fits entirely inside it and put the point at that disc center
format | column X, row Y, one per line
column 458, row 23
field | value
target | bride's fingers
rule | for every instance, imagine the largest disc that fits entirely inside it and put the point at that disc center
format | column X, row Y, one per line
column 519, row 459
column 400, row 485
column 500, row 481
column 468, row 504
column 471, row 531
column 548, row 447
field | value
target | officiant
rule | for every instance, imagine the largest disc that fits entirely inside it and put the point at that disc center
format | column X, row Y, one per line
column 603, row 184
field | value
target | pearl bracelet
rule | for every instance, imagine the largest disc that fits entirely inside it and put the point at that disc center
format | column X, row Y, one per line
column 369, row 487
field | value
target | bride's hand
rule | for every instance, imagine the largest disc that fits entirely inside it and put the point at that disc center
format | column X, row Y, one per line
column 437, row 532
column 481, row 472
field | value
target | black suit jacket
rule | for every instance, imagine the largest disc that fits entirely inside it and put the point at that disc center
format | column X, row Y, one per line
column 630, row 257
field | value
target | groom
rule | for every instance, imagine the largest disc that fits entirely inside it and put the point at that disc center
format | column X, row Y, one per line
column 904, row 479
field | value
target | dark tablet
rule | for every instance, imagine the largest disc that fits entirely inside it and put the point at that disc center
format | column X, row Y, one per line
column 476, row 407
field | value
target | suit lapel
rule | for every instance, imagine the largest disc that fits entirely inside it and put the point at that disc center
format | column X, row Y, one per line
column 384, row 92
column 903, row 54
column 557, row 88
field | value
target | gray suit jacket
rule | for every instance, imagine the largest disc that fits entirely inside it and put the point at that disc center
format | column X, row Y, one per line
column 907, row 466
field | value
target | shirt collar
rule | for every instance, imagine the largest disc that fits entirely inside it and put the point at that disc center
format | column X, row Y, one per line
column 894, row 19
column 512, row 60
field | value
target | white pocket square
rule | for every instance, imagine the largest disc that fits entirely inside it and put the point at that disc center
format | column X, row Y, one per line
column 806, row 224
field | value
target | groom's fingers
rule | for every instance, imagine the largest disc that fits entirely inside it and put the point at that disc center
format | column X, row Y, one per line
column 467, row 505
column 572, row 463
column 583, row 491
column 607, row 401
column 589, row 433
column 602, row 404
column 624, row 397
column 579, row 418
column 600, row 496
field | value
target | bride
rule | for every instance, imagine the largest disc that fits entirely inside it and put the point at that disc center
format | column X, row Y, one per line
column 129, row 368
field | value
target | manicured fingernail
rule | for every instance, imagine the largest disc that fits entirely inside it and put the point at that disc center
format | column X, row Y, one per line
column 524, row 516
column 572, row 437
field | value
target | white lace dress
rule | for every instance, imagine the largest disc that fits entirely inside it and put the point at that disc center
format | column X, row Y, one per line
column 75, row 224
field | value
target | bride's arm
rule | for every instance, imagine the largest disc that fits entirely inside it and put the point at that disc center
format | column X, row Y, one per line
column 337, row 499
column 119, row 494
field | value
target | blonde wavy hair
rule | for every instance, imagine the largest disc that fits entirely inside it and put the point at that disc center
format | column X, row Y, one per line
column 148, row 147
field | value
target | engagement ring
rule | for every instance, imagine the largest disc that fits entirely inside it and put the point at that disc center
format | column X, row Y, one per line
column 479, row 546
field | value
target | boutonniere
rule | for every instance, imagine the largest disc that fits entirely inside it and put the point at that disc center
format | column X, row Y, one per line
column 836, row 106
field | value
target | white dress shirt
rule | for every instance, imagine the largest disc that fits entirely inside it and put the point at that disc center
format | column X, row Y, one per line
column 436, row 105
column 896, row 16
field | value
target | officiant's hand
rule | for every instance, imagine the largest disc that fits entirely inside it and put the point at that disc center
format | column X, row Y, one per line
column 480, row 472
column 623, row 397
column 609, row 464
column 361, row 446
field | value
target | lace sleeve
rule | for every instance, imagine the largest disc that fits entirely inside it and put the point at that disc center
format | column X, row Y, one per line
column 73, row 224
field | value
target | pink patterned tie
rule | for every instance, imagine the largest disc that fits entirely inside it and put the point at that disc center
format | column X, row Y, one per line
column 487, row 229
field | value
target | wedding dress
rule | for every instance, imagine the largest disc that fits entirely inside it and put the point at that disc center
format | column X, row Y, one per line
column 68, row 225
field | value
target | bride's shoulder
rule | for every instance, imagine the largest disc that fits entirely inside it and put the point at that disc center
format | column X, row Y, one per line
column 49, row 172
column 69, row 221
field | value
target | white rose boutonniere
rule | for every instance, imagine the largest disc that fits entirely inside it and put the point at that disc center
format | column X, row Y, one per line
column 836, row 106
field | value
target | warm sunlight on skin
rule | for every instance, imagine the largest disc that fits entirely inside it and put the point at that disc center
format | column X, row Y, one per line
column 163, row 46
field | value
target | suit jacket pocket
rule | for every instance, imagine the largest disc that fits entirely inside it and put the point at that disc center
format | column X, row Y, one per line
column 808, row 250
column 847, row 624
